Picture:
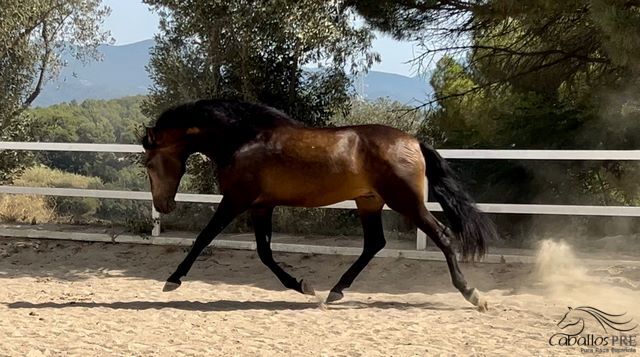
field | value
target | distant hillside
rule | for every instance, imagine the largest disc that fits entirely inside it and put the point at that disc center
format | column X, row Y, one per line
column 121, row 72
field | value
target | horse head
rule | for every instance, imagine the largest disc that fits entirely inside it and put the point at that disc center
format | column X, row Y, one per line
column 166, row 153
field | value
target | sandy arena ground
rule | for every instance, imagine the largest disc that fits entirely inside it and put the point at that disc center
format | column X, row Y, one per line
column 83, row 299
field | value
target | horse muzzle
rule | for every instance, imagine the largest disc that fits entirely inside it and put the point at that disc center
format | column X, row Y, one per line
column 165, row 206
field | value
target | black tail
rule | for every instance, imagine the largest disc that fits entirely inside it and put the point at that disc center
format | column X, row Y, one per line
column 471, row 225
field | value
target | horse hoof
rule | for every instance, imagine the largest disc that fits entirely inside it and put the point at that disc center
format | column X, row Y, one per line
column 334, row 296
column 170, row 286
column 306, row 288
column 483, row 305
column 478, row 300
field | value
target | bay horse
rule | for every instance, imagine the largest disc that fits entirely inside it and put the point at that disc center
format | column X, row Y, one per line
column 266, row 159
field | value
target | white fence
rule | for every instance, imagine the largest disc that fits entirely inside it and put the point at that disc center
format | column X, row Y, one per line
column 614, row 155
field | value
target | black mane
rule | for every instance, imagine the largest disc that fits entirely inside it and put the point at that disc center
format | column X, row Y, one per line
column 211, row 113
column 233, row 123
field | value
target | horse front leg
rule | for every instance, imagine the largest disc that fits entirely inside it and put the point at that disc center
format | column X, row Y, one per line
column 226, row 212
column 261, row 218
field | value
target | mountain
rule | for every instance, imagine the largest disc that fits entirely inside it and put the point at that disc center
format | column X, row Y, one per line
column 121, row 72
column 406, row 90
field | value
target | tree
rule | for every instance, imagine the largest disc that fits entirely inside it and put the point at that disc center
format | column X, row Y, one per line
column 531, row 75
column 504, row 117
column 381, row 111
column 536, row 45
column 92, row 121
column 33, row 33
column 257, row 51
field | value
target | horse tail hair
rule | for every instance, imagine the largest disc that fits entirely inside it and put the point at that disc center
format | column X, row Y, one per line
column 472, row 226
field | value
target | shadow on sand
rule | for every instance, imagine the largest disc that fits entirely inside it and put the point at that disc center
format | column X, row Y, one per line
column 225, row 305
column 74, row 261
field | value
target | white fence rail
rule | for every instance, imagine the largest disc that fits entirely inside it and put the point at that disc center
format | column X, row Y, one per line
column 615, row 155
column 566, row 210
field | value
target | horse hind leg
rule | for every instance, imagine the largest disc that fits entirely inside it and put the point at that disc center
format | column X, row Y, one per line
column 441, row 235
column 406, row 199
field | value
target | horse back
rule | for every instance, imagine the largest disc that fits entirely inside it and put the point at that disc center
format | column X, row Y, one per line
column 301, row 166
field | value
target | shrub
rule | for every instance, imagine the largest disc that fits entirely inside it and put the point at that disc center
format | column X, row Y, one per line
column 72, row 207
column 25, row 209
column 134, row 215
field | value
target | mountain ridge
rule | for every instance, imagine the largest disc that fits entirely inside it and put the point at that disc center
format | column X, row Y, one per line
column 121, row 72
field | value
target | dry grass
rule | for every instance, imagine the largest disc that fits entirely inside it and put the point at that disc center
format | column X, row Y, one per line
column 41, row 176
column 25, row 209
column 38, row 209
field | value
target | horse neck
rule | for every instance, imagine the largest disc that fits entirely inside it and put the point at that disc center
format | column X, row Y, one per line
column 220, row 144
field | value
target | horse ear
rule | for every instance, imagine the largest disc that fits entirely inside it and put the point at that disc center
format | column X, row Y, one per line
column 193, row 131
column 151, row 135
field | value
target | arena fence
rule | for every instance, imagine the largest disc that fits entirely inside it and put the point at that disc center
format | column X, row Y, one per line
column 573, row 210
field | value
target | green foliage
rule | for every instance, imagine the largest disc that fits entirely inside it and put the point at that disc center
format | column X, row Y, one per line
column 33, row 34
column 96, row 121
column 133, row 214
column 505, row 117
column 530, row 75
column 92, row 121
column 12, row 162
column 381, row 111
column 582, row 49
column 255, row 50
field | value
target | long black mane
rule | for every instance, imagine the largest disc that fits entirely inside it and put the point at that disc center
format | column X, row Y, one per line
column 213, row 113
column 232, row 122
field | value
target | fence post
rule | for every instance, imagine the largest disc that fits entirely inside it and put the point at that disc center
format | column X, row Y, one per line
column 421, row 240
column 155, row 218
column 421, row 237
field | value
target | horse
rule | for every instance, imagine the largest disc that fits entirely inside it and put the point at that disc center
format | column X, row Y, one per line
column 264, row 159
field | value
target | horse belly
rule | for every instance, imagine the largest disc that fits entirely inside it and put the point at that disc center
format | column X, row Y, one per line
column 320, row 187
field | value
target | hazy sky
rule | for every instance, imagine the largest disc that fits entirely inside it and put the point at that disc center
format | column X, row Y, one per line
column 132, row 21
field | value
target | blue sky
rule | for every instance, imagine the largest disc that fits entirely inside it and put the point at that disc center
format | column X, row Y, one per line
column 132, row 21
